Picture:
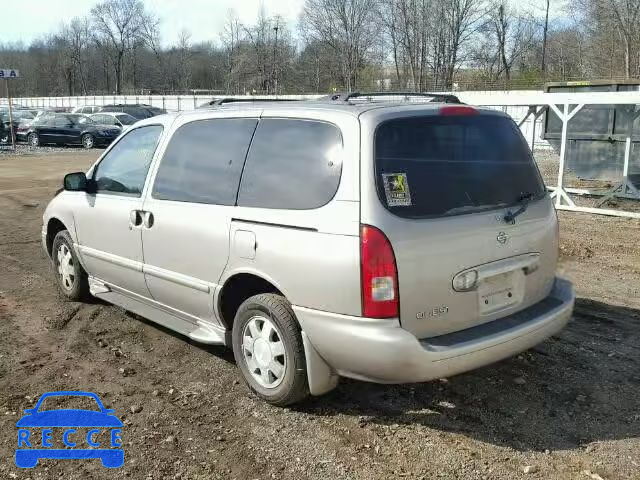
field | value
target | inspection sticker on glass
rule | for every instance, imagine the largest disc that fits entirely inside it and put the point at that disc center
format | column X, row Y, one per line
column 396, row 188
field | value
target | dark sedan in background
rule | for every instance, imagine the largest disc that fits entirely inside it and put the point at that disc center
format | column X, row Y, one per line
column 67, row 129
column 18, row 116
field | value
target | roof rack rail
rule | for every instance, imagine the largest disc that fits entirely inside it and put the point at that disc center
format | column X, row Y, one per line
column 437, row 97
column 216, row 102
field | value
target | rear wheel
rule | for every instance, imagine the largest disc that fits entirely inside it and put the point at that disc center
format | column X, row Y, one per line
column 33, row 140
column 71, row 278
column 87, row 141
column 268, row 349
column 4, row 137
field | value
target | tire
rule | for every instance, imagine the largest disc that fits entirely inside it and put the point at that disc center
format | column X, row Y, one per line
column 71, row 278
column 34, row 140
column 277, row 378
column 4, row 137
column 88, row 141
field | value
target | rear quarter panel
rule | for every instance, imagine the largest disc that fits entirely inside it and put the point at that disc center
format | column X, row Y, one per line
column 317, row 264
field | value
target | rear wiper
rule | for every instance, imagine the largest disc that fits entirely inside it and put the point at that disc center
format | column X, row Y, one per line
column 523, row 200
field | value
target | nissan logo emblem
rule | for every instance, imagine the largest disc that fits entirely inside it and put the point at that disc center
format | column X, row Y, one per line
column 502, row 238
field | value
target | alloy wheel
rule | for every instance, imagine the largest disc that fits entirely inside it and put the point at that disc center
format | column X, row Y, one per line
column 264, row 352
column 66, row 268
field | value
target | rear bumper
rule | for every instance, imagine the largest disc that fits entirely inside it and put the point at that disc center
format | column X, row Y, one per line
column 383, row 352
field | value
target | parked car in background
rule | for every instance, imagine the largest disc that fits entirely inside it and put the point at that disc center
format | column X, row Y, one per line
column 68, row 129
column 139, row 111
column 118, row 119
column 87, row 109
column 25, row 124
column 431, row 237
column 18, row 117
column 5, row 135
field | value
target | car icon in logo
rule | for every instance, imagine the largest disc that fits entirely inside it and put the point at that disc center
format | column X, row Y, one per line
column 31, row 447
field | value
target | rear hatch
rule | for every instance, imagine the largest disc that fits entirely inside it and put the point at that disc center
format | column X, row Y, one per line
column 445, row 182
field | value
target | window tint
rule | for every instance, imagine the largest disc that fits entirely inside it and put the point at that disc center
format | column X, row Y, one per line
column 203, row 161
column 438, row 166
column 103, row 119
column 62, row 121
column 124, row 169
column 45, row 121
column 292, row 164
column 125, row 119
column 136, row 112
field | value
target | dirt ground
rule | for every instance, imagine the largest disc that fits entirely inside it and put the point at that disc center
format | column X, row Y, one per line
column 567, row 409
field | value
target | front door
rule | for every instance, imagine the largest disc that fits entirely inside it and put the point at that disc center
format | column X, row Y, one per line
column 64, row 130
column 109, row 222
column 188, row 213
column 46, row 129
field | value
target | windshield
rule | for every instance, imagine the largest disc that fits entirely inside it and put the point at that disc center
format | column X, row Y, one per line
column 126, row 119
column 453, row 165
column 16, row 115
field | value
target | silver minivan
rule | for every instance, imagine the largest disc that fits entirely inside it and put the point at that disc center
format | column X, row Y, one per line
column 390, row 242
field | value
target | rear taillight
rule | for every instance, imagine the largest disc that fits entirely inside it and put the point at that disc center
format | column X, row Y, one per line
column 379, row 274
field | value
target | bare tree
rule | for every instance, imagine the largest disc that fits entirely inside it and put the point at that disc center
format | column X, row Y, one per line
column 462, row 19
column 118, row 25
column 231, row 37
column 508, row 36
column 408, row 26
column 347, row 27
column 626, row 14
column 75, row 41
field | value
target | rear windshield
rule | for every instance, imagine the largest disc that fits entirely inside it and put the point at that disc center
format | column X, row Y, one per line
column 126, row 119
column 438, row 166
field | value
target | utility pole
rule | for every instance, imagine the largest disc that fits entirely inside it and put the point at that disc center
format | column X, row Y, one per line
column 275, row 65
column 544, row 42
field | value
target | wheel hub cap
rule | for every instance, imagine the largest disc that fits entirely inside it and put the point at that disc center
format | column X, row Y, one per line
column 65, row 267
column 264, row 352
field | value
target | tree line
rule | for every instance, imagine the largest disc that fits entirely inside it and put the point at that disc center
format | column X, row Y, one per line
column 336, row 45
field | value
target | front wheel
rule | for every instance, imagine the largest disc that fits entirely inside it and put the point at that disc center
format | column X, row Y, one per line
column 268, row 348
column 87, row 141
column 71, row 278
column 4, row 137
column 33, row 140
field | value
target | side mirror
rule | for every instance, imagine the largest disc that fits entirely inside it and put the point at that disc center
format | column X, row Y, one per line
column 75, row 182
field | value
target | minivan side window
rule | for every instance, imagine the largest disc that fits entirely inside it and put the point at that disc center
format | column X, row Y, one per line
column 292, row 164
column 203, row 161
column 124, row 169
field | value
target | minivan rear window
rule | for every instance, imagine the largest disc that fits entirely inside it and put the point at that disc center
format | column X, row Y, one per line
column 437, row 166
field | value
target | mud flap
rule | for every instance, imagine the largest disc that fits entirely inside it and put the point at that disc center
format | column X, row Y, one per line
column 321, row 377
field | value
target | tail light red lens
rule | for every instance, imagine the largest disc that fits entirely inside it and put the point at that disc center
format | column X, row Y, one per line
column 458, row 111
column 379, row 274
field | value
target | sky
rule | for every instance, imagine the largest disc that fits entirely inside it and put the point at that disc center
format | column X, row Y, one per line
column 203, row 18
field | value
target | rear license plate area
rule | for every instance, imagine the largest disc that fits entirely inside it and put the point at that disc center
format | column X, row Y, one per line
column 499, row 292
